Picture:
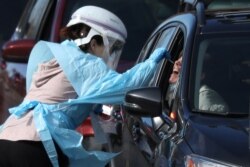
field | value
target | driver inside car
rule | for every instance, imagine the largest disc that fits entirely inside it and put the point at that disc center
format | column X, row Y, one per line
column 209, row 99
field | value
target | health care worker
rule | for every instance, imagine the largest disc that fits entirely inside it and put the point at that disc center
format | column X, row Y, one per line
column 64, row 81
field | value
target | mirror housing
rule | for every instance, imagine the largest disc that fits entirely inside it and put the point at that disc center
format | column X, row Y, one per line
column 18, row 50
column 145, row 102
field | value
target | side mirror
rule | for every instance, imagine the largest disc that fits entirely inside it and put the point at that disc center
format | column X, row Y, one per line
column 145, row 102
column 17, row 51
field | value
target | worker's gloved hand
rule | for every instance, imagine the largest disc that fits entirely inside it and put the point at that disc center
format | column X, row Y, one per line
column 159, row 54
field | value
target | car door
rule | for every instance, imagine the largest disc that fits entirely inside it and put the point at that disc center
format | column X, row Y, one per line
column 146, row 131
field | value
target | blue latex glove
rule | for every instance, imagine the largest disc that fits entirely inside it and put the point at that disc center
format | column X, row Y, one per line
column 159, row 54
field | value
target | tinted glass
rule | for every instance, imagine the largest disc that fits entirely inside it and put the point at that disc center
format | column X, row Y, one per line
column 228, row 4
column 31, row 22
column 165, row 37
column 161, row 39
column 222, row 74
column 8, row 18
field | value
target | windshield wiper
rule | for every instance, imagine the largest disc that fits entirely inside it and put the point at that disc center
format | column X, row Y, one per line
column 238, row 114
column 209, row 112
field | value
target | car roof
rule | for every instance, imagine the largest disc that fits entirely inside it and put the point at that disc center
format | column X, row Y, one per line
column 227, row 21
column 218, row 18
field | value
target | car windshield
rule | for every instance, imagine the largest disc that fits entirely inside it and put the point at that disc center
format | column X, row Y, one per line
column 221, row 83
column 228, row 4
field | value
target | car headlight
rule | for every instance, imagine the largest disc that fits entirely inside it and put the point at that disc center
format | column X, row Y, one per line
column 200, row 161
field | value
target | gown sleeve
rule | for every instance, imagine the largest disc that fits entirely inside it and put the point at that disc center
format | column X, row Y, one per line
column 93, row 81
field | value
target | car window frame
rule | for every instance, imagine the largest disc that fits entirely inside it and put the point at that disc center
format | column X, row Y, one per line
column 149, row 47
column 177, row 45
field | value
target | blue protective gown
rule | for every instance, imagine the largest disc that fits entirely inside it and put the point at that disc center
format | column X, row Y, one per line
column 94, row 83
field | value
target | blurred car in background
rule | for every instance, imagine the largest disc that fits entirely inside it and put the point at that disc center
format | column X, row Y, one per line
column 166, row 124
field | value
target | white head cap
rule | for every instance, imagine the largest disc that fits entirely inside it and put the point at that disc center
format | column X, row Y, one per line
column 104, row 23
column 101, row 20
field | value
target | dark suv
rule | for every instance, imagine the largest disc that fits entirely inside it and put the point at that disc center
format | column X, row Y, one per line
column 203, row 118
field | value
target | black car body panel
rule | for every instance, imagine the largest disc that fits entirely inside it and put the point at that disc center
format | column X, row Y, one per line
column 218, row 138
